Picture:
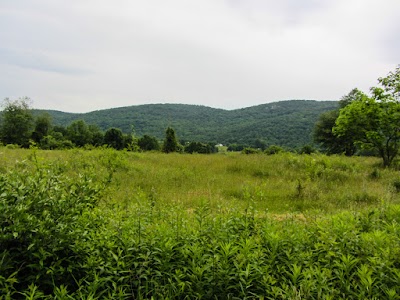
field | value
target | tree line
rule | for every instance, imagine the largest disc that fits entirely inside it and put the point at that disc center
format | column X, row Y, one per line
column 364, row 123
column 19, row 127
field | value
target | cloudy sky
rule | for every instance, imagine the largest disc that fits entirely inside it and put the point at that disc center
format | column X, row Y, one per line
column 84, row 55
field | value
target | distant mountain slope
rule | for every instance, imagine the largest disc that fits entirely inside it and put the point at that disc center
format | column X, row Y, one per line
column 286, row 123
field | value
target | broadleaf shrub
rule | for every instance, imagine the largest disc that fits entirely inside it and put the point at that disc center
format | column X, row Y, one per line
column 42, row 214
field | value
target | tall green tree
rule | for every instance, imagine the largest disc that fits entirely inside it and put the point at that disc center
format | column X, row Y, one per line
column 114, row 138
column 148, row 143
column 97, row 135
column 17, row 122
column 374, row 121
column 323, row 134
column 170, row 142
column 78, row 133
column 42, row 127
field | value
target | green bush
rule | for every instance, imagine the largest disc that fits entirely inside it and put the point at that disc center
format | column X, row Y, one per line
column 273, row 149
column 249, row 150
column 43, row 213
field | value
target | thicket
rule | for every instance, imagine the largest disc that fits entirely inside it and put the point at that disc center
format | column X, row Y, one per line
column 66, row 233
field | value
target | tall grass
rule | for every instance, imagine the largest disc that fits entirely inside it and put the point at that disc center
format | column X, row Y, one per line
column 118, row 225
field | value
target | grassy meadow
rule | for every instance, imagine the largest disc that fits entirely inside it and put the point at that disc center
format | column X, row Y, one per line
column 105, row 224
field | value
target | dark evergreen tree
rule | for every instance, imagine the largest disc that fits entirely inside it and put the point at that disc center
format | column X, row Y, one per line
column 114, row 138
column 170, row 142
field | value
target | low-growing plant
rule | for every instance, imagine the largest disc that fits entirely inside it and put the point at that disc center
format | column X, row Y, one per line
column 195, row 227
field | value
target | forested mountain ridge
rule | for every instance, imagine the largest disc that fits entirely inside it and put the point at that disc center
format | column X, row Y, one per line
column 286, row 123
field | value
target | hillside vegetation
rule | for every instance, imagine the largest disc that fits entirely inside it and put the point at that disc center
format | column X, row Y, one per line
column 285, row 123
column 107, row 224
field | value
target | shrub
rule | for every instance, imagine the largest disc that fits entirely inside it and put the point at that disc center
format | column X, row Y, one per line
column 307, row 149
column 42, row 215
column 12, row 146
column 273, row 149
column 249, row 150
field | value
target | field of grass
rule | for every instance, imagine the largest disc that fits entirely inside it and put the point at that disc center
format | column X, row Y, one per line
column 119, row 225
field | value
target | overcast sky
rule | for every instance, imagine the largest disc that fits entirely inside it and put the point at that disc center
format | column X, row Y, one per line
column 84, row 55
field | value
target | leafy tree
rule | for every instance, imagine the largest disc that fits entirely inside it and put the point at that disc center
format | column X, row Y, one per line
column 60, row 129
column 79, row 134
column 131, row 141
column 56, row 139
column 197, row 147
column 353, row 95
column 17, row 122
column 97, row 135
column 391, row 84
column 42, row 127
column 148, row 143
column 323, row 134
column 48, row 142
column 374, row 122
column 114, row 138
column 170, row 142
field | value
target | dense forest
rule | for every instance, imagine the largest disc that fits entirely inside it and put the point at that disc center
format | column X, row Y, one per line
column 286, row 123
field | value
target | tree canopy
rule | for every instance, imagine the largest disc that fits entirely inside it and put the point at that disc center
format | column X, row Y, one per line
column 17, row 122
column 114, row 138
column 374, row 121
column 323, row 130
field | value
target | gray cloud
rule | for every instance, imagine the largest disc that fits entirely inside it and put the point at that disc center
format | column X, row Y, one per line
column 86, row 55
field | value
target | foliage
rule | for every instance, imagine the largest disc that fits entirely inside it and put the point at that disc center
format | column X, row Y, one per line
column 374, row 121
column 391, row 84
column 148, row 143
column 307, row 149
column 17, row 121
column 285, row 123
column 114, row 138
column 197, row 147
column 43, row 214
column 79, row 134
column 323, row 130
column 96, row 134
column 273, row 149
column 42, row 127
column 249, row 150
column 65, row 235
column 236, row 147
column 170, row 141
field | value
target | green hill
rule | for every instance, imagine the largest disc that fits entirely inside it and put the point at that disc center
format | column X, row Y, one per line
column 285, row 123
